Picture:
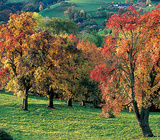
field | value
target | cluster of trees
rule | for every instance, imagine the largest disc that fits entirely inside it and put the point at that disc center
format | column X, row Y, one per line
column 77, row 16
column 104, row 13
column 37, row 57
column 84, row 20
column 55, row 25
column 45, row 61
column 28, row 6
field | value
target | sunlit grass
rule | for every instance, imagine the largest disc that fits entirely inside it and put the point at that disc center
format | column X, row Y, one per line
column 55, row 12
column 41, row 123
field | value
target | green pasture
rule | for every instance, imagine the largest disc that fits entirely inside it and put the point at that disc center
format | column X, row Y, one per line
column 55, row 12
column 16, row 0
column 94, row 1
column 99, row 21
column 66, row 123
column 146, row 9
column 100, row 32
column 89, row 6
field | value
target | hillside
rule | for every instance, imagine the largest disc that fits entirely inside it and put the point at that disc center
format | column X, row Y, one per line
column 66, row 123
column 90, row 6
column 96, row 12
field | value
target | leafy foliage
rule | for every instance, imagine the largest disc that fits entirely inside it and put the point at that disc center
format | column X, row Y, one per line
column 14, row 48
column 55, row 25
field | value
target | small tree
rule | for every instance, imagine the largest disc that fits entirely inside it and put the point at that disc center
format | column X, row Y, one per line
column 148, row 2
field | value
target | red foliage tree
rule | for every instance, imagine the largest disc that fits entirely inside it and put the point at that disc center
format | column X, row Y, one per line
column 130, row 73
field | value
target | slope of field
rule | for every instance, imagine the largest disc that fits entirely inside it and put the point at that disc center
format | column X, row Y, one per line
column 89, row 6
column 66, row 123
column 55, row 11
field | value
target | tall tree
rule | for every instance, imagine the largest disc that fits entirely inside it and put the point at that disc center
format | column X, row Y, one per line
column 91, row 53
column 57, row 70
column 14, row 48
column 130, row 74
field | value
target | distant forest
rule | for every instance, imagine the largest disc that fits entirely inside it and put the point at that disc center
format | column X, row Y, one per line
column 28, row 6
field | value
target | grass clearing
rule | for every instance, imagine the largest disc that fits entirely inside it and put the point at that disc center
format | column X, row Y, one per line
column 146, row 9
column 55, row 12
column 80, row 123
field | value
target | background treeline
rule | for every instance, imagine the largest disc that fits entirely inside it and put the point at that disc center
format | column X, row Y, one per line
column 7, row 7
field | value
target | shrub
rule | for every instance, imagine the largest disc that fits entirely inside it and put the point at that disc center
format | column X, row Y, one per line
column 5, row 136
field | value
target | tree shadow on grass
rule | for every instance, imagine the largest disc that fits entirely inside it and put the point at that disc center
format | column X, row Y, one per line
column 44, row 106
column 12, row 105
column 4, row 135
column 3, row 92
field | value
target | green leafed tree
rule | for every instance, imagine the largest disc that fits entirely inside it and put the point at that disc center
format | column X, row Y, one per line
column 56, row 25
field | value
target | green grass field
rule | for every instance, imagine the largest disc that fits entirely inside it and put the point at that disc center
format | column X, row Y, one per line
column 89, row 6
column 55, row 12
column 66, row 123
column 16, row 0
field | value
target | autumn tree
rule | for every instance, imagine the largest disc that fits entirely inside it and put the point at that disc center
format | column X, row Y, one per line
column 59, row 66
column 130, row 72
column 14, row 48
column 92, row 55
column 71, row 66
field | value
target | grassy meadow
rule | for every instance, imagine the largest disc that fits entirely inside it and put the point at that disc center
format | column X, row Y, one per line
column 16, row 1
column 66, row 123
column 89, row 6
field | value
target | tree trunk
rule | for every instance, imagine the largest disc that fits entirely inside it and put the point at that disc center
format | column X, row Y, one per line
column 143, row 122
column 142, row 116
column 51, row 95
column 25, row 100
column 82, row 103
column 69, row 102
column 50, row 104
column 95, row 105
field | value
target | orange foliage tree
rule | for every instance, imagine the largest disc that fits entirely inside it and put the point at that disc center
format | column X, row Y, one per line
column 34, row 60
column 130, row 74
column 91, row 53
column 57, row 71
column 38, row 61
column 14, row 45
